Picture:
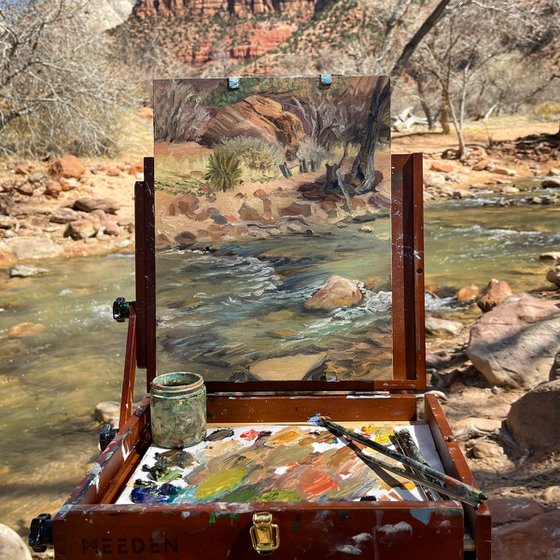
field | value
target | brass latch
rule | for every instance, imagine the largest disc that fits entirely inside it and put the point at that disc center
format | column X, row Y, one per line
column 265, row 535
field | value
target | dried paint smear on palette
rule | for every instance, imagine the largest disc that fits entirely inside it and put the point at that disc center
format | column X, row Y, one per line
column 272, row 463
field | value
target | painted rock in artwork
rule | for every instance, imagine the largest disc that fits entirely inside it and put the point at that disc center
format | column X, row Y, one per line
column 337, row 292
column 256, row 116
column 288, row 368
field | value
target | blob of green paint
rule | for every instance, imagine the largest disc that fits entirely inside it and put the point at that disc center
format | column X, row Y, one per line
column 245, row 494
column 278, row 495
column 220, row 481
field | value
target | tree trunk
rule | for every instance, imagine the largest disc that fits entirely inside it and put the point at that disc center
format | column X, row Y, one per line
column 444, row 118
column 332, row 178
column 458, row 125
column 416, row 39
column 363, row 167
column 424, row 103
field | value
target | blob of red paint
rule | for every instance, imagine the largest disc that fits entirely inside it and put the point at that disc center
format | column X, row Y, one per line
column 314, row 482
column 249, row 434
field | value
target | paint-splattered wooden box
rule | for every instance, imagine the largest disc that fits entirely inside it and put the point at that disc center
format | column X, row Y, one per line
column 99, row 522
column 91, row 526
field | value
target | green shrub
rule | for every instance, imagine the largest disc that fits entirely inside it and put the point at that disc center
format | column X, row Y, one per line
column 224, row 170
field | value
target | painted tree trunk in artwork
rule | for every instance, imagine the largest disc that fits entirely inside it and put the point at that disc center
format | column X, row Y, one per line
column 363, row 167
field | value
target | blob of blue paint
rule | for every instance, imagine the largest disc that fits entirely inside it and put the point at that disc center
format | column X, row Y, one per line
column 153, row 495
column 315, row 419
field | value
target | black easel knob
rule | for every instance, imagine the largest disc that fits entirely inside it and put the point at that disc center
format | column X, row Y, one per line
column 40, row 532
column 121, row 310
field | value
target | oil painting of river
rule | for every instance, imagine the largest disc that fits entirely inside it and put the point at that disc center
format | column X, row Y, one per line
column 296, row 172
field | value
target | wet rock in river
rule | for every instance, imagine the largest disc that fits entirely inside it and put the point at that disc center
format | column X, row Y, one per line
column 26, row 271
column 337, row 292
column 494, row 294
column 468, row 294
column 533, row 420
column 551, row 255
column 26, row 248
column 443, row 327
column 509, row 189
column 289, row 368
column 12, row 546
column 25, row 329
column 552, row 183
column 553, row 276
column 107, row 412
column 515, row 343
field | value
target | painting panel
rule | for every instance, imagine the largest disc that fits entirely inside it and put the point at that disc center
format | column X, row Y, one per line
column 273, row 229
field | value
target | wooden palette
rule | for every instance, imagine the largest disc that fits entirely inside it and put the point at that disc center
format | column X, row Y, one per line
column 272, row 463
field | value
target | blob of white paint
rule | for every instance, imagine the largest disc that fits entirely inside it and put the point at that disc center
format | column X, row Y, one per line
column 96, row 471
column 350, row 549
column 400, row 527
column 361, row 537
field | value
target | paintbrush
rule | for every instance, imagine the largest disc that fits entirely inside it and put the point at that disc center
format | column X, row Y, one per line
column 403, row 440
column 424, row 474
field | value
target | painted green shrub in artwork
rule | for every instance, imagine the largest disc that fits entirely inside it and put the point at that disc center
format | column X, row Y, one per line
column 260, row 160
column 224, row 170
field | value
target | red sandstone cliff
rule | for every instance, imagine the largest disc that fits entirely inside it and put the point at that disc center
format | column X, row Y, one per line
column 240, row 8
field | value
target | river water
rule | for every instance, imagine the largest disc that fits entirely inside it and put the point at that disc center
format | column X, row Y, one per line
column 50, row 382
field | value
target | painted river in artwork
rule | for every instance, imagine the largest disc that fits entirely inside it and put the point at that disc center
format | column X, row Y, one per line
column 51, row 381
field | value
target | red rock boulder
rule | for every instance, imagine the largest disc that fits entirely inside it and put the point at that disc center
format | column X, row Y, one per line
column 67, row 166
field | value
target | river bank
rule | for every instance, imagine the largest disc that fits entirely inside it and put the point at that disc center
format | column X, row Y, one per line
column 68, row 208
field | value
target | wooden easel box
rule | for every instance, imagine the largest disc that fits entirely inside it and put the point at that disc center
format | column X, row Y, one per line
column 91, row 526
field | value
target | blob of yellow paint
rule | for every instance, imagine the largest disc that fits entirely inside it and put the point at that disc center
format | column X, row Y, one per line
column 216, row 483
column 285, row 436
column 380, row 435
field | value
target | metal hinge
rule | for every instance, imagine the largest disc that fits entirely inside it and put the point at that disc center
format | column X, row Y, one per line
column 265, row 535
